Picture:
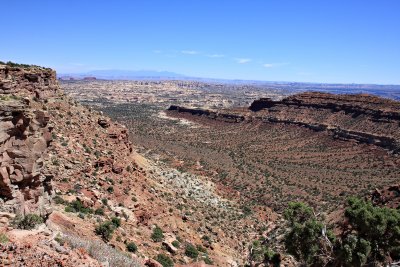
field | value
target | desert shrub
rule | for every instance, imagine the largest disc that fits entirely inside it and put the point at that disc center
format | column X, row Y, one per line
column 58, row 200
column 28, row 222
column 77, row 206
column 110, row 189
column 131, row 247
column 256, row 251
column 69, row 209
column 157, row 235
column 298, row 212
column 105, row 230
column 207, row 260
column 201, row 248
column 164, row 260
column 176, row 243
column 59, row 239
column 99, row 211
column 116, row 221
column 191, row 251
column 3, row 238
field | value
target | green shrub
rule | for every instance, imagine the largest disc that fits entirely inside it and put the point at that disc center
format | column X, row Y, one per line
column 131, row 247
column 116, row 221
column 77, row 206
column 176, row 243
column 201, row 248
column 3, row 238
column 99, row 211
column 164, row 260
column 58, row 200
column 28, row 222
column 298, row 212
column 191, row 251
column 157, row 235
column 207, row 260
column 256, row 251
column 105, row 230
column 69, row 209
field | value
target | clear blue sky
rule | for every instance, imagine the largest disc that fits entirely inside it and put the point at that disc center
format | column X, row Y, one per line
column 300, row 40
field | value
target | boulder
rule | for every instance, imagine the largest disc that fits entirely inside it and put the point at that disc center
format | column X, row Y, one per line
column 103, row 123
column 152, row 263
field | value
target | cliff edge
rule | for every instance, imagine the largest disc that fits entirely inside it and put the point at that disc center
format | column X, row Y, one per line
column 364, row 118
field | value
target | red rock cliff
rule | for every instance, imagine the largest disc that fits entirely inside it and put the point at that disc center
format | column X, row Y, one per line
column 25, row 134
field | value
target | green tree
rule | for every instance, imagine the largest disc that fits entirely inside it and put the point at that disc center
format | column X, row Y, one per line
column 373, row 234
column 307, row 240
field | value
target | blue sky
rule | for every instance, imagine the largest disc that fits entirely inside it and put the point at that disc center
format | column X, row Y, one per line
column 342, row 41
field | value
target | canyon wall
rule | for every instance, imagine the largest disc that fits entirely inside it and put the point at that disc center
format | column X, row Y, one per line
column 364, row 118
column 25, row 135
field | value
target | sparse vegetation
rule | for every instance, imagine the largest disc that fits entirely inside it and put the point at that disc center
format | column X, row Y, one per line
column 27, row 222
column 78, row 207
column 131, row 247
column 116, row 221
column 164, row 260
column 157, row 235
column 191, row 251
column 105, row 230
column 176, row 243
column 102, row 252
column 3, row 238
column 99, row 211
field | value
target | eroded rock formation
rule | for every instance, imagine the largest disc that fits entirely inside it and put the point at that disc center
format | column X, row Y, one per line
column 364, row 118
column 36, row 82
column 25, row 134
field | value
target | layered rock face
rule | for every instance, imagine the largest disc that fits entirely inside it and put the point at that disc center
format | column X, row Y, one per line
column 364, row 118
column 25, row 135
column 36, row 82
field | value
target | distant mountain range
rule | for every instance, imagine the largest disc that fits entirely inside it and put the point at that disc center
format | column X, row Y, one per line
column 123, row 75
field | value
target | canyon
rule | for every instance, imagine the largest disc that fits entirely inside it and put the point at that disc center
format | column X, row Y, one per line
column 213, row 168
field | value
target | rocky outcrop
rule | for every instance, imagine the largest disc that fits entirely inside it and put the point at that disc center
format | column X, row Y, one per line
column 25, row 134
column 364, row 118
column 357, row 104
column 223, row 116
column 36, row 82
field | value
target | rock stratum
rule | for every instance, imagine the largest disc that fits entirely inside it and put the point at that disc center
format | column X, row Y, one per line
column 363, row 118
column 25, row 135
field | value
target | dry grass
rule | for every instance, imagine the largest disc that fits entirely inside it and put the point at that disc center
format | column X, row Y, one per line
column 102, row 252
